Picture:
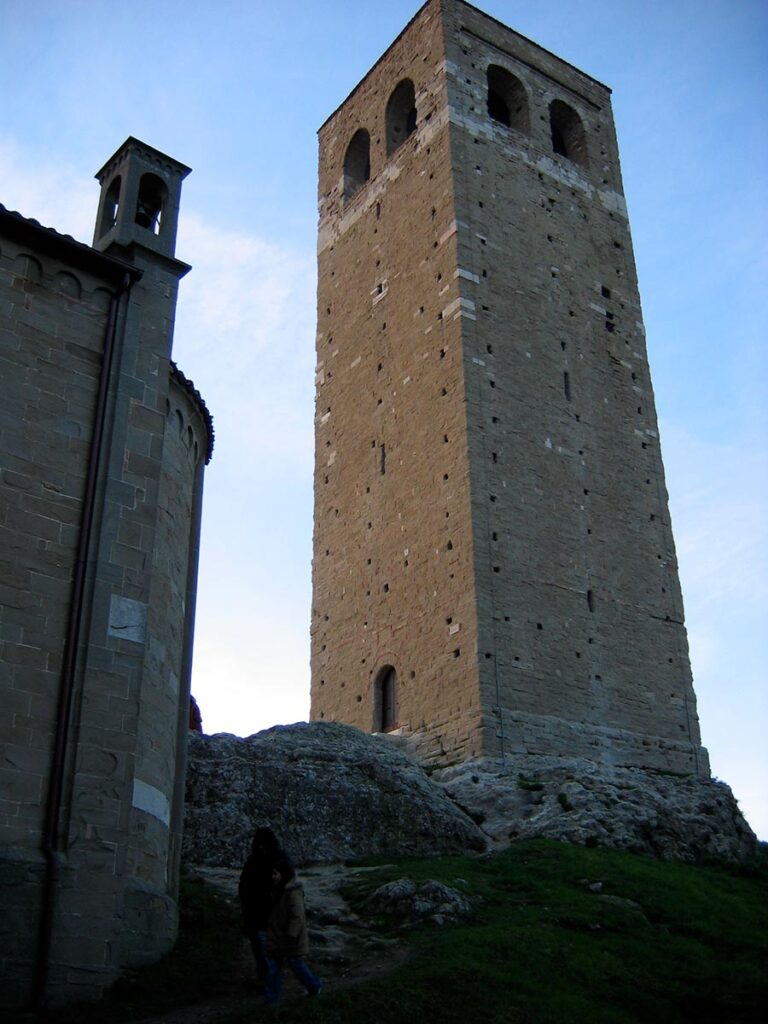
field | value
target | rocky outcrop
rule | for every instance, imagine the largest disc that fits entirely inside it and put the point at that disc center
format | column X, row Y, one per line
column 411, row 904
column 592, row 804
column 333, row 793
column 330, row 792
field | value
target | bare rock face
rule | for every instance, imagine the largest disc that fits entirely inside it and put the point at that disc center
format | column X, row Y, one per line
column 333, row 793
column 330, row 793
column 592, row 804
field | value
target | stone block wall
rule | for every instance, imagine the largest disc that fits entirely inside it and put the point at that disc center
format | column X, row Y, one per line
column 392, row 579
column 98, row 593
column 157, row 811
column 582, row 637
column 491, row 515
column 52, row 335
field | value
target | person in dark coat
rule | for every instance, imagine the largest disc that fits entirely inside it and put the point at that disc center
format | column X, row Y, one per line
column 287, row 941
column 256, row 891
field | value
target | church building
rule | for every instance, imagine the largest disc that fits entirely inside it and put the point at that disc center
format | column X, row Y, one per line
column 103, row 444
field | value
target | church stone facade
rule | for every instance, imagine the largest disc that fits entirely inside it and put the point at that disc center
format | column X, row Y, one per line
column 494, row 567
column 103, row 444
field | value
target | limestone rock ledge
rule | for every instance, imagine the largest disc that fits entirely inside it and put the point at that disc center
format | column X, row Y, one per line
column 579, row 801
column 330, row 792
column 333, row 793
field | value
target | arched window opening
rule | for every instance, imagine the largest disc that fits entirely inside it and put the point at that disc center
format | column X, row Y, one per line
column 385, row 700
column 68, row 284
column 111, row 203
column 151, row 202
column 357, row 163
column 29, row 267
column 507, row 99
column 401, row 115
column 101, row 299
column 568, row 136
column 558, row 142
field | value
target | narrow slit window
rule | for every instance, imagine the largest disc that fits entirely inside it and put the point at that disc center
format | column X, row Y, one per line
column 385, row 700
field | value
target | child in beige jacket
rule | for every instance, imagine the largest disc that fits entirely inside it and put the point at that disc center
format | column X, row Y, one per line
column 287, row 941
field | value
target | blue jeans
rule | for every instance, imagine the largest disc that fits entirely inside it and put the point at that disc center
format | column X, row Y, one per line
column 273, row 983
column 258, row 945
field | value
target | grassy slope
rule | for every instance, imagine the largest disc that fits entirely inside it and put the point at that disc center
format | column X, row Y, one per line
column 692, row 945
column 680, row 944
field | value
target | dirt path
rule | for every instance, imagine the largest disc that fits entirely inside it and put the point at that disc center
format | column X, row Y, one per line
column 344, row 951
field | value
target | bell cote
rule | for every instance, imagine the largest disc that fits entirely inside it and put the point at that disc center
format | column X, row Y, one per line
column 139, row 203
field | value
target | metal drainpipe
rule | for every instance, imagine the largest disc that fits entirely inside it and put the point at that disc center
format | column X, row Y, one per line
column 51, row 843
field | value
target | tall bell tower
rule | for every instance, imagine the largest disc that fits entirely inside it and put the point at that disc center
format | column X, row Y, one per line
column 494, row 566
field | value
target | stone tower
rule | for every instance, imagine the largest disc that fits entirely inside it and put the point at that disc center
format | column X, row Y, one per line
column 104, row 444
column 494, row 566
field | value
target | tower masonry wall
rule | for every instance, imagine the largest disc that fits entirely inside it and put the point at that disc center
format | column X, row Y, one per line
column 491, row 513
column 392, row 583
column 581, row 607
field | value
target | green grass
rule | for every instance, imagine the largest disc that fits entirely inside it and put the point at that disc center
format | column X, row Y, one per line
column 673, row 944
column 544, row 947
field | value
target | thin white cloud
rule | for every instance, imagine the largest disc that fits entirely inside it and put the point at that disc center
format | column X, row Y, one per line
column 245, row 334
column 57, row 195
column 719, row 503
column 244, row 289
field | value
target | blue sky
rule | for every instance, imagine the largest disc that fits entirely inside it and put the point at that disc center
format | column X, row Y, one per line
column 237, row 90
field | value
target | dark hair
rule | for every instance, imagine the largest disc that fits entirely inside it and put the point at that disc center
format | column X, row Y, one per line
column 266, row 840
column 286, row 869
